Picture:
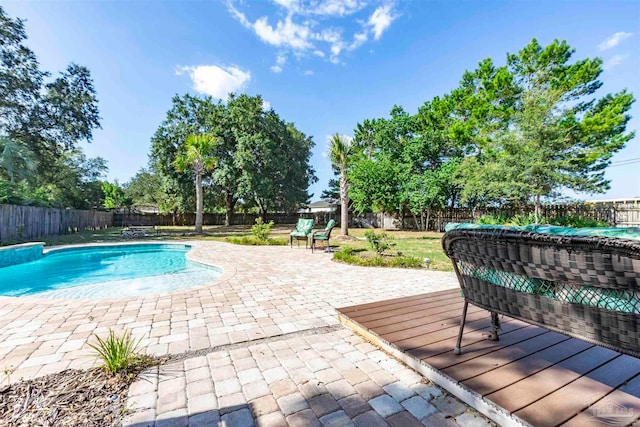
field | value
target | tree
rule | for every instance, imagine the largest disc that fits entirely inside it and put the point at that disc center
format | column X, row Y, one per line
column 375, row 185
column 145, row 188
column 197, row 157
column 261, row 159
column 15, row 159
column 227, row 122
column 340, row 153
column 114, row 196
column 45, row 121
column 332, row 192
column 274, row 160
column 557, row 135
column 424, row 192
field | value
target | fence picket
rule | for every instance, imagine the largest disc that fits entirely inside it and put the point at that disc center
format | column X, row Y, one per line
column 24, row 223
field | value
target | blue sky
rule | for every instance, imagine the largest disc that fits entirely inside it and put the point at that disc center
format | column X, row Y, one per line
column 323, row 64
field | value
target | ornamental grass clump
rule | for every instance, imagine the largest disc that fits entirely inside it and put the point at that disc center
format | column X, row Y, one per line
column 118, row 353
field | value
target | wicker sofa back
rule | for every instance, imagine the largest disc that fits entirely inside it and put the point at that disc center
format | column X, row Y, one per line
column 587, row 287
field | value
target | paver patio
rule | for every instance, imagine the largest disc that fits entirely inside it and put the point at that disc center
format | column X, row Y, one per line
column 287, row 294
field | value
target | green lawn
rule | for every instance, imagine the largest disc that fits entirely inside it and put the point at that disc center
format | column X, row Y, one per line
column 419, row 244
column 114, row 234
column 411, row 243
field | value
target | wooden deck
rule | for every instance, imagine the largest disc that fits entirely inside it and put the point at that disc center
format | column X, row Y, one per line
column 531, row 376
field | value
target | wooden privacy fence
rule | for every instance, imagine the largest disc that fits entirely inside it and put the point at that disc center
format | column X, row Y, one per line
column 616, row 213
column 623, row 213
column 24, row 223
column 135, row 218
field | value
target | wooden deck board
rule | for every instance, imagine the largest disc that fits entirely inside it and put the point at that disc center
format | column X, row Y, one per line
column 535, row 387
column 506, row 375
column 540, row 377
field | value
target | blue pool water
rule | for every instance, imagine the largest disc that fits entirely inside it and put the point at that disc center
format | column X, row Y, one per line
column 106, row 272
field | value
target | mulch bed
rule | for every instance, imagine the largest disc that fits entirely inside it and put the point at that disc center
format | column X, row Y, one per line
column 90, row 398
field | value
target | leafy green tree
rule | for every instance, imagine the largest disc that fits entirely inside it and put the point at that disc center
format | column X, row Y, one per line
column 274, row 160
column 375, row 185
column 45, row 120
column 261, row 159
column 332, row 191
column 114, row 196
column 145, row 188
column 188, row 115
column 16, row 160
column 428, row 191
column 340, row 153
column 197, row 157
column 557, row 134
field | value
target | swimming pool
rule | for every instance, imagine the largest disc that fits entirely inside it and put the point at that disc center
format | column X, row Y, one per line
column 106, row 272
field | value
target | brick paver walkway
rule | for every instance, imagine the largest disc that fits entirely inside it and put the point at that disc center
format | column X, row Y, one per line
column 305, row 366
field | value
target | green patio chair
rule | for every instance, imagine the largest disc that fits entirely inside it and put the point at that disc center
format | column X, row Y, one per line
column 301, row 232
column 323, row 235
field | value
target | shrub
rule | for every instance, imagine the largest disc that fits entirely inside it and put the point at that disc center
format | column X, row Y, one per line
column 526, row 219
column 349, row 256
column 379, row 242
column 495, row 219
column 261, row 230
column 118, row 353
column 577, row 222
column 404, row 262
column 253, row 241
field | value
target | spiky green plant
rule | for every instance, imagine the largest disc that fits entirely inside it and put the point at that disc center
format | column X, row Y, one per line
column 118, row 353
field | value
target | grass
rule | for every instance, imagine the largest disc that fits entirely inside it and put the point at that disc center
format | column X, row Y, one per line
column 417, row 244
column 241, row 234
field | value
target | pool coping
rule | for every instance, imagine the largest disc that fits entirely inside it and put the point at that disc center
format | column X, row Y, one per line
column 22, row 245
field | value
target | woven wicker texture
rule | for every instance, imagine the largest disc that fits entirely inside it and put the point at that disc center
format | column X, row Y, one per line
column 585, row 287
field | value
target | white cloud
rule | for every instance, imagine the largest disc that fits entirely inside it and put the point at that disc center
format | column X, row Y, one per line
column 308, row 73
column 381, row 19
column 216, row 81
column 358, row 40
column 614, row 61
column 304, row 31
column 281, row 59
column 322, row 8
column 613, row 40
column 285, row 33
column 266, row 105
column 329, row 35
column 337, row 7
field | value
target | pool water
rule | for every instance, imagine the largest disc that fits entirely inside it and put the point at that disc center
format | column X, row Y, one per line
column 106, row 272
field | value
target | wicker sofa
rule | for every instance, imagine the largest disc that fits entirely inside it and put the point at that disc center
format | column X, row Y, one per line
column 580, row 283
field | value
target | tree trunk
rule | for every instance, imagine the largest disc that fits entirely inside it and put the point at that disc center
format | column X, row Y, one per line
column 262, row 210
column 536, row 212
column 199, row 203
column 344, row 204
column 230, row 203
column 426, row 225
column 415, row 220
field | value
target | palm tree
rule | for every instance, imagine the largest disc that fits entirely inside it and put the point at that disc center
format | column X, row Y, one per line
column 196, row 156
column 339, row 153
